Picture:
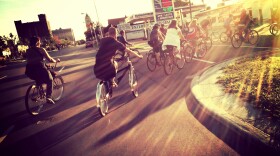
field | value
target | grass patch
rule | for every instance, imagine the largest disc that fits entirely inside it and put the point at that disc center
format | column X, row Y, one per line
column 255, row 80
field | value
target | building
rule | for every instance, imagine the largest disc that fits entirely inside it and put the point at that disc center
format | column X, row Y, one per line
column 65, row 34
column 39, row 28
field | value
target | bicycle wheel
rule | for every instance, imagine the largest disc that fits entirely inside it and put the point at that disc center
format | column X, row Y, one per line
column 236, row 41
column 168, row 64
column 223, row 37
column 208, row 42
column 253, row 37
column 133, row 82
column 274, row 30
column 151, row 61
column 189, row 54
column 202, row 49
column 58, row 88
column 162, row 58
column 180, row 59
column 34, row 100
column 102, row 99
column 214, row 36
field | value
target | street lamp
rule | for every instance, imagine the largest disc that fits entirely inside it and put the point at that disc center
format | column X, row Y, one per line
column 97, row 18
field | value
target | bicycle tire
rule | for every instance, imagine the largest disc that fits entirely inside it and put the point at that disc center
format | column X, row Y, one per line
column 275, row 30
column 180, row 60
column 223, row 37
column 189, row 52
column 236, row 41
column 58, row 88
column 202, row 49
column 270, row 28
column 168, row 64
column 208, row 42
column 253, row 37
column 133, row 82
column 34, row 102
column 162, row 58
column 151, row 61
column 103, row 100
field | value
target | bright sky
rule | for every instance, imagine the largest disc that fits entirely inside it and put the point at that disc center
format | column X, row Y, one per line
column 68, row 13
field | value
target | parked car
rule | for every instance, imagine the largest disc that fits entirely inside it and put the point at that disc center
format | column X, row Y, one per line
column 89, row 44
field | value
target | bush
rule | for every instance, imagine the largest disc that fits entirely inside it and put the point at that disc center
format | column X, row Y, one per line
column 256, row 80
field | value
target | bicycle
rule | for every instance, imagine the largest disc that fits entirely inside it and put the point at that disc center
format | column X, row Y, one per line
column 273, row 29
column 225, row 36
column 173, row 57
column 152, row 61
column 189, row 50
column 240, row 36
column 104, row 89
column 35, row 97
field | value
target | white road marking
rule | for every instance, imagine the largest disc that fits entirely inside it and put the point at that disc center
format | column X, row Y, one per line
column 5, row 134
column 3, row 77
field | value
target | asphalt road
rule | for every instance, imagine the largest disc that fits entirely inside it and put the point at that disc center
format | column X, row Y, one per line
column 158, row 122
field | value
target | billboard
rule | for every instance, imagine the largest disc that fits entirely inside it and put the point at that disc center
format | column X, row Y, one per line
column 163, row 10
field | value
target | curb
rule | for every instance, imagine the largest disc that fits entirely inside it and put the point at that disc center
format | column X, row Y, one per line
column 249, row 134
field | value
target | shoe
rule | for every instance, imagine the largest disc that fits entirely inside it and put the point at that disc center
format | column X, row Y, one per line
column 195, row 54
column 50, row 101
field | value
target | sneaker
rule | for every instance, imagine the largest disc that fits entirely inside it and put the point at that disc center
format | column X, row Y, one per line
column 50, row 101
column 195, row 55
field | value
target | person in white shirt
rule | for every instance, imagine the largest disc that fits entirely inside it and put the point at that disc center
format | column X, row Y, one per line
column 173, row 37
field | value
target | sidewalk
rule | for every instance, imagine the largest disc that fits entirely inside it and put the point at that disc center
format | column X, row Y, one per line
column 228, row 109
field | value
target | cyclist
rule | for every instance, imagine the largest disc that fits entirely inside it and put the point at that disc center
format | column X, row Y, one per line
column 245, row 22
column 162, row 29
column 122, row 39
column 227, row 25
column 105, row 67
column 36, row 68
column 194, row 31
column 173, row 37
column 205, row 24
column 156, row 37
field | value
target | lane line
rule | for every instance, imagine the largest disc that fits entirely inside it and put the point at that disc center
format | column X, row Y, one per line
column 5, row 134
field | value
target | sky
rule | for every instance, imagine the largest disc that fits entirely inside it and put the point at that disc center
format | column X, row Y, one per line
column 69, row 13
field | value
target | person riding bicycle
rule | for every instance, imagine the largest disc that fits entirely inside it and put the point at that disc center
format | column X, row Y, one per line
column 205, row 24
column 227, row 25
column 173, row 37
column 105, row 67
column 162, row 29
column 156, row 38
column 194, row 33
column 122, row 39
column 245, row 22
column 36, row 68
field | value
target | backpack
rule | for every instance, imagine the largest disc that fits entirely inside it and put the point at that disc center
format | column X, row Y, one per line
column 151, row 43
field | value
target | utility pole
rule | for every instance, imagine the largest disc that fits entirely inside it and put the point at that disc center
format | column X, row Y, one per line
column 98, row 19
column 190, row 3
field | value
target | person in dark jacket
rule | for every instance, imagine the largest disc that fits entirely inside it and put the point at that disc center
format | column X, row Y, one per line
column 122, row 39
column 36, row 68
column 105, row 67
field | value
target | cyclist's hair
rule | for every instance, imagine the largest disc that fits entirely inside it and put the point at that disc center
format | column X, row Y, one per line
column 173, row 24
column 122, row 32
column 112, row 31
column 33, row 40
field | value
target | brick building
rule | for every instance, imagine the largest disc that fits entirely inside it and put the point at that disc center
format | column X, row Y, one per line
column 39, row 28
